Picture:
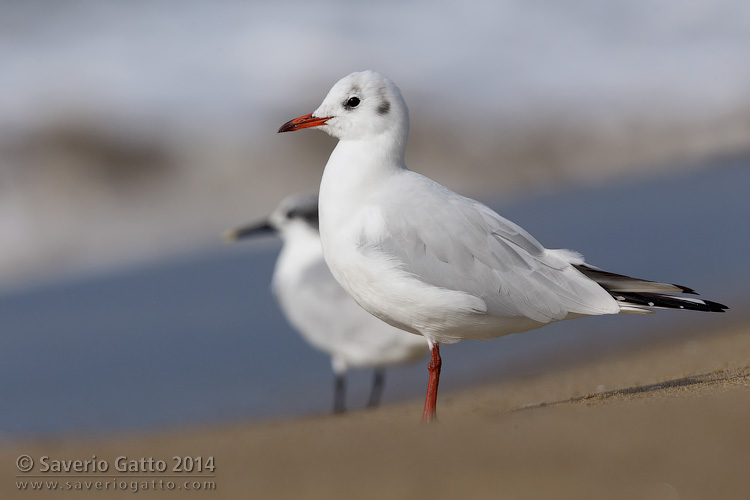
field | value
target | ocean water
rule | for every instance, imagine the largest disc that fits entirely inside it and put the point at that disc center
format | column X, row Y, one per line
column 227, row 60
column 197, row 338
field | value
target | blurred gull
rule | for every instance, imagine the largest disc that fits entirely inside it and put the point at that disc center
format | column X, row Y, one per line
column 435, row 263
column 316, row 305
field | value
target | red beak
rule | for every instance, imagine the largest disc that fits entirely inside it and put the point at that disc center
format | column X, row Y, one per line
column 303, row 122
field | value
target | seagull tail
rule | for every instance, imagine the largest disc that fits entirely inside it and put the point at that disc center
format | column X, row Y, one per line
column 640, row 296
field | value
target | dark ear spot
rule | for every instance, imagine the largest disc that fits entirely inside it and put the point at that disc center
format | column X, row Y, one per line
column 307, row 213
column 312, row 218
column 384, row 107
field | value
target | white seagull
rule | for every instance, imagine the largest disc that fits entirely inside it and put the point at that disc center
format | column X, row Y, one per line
column 316, row 305
column 432, row 262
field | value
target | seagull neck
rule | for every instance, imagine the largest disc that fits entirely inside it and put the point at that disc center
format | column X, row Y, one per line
column 299, row 233
column 360, row 162
column 301, row 246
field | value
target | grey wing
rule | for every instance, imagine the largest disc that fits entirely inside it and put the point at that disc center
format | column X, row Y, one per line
column 459, row 244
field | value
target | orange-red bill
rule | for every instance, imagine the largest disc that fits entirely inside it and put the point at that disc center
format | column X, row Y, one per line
column 303, row 122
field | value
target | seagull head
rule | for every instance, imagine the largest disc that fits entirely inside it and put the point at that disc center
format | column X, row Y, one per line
column 294, row 214
column 297, row 209
column 362, row 105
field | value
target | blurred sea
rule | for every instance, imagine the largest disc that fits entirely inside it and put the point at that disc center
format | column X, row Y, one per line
column 197, row 338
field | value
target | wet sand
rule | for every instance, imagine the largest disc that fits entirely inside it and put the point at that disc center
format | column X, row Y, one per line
column 666, row 421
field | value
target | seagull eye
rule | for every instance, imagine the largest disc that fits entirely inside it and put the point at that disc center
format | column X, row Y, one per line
column 352, row 102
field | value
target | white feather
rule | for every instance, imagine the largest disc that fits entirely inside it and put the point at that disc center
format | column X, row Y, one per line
column 324, row 314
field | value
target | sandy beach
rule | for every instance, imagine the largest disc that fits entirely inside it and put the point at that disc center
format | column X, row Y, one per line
column 665, row 421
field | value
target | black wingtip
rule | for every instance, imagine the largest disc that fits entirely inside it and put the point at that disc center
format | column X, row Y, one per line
column 685, row 289
column 716, row 306
column 665, row 301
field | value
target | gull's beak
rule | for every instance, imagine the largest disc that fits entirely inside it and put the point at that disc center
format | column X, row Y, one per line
column 303, row 122
column 248, row 231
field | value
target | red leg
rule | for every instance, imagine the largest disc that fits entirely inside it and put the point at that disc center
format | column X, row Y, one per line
column 430, row 401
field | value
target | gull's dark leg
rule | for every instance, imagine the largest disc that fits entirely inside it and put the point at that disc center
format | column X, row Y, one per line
column 378, row 383
column 339, row 393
